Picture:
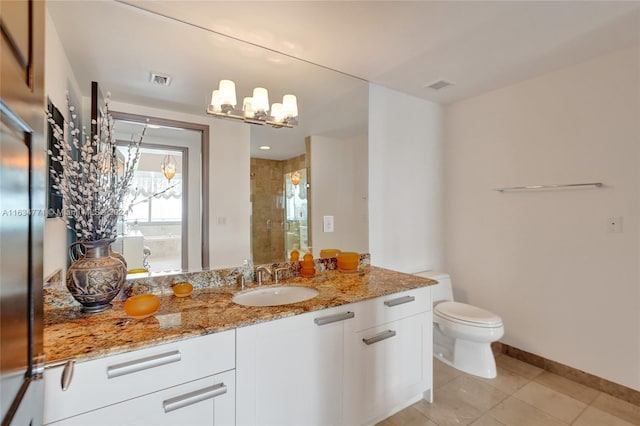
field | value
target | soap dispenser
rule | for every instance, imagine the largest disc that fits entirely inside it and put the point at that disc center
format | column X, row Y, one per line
column 294, row 256
column 307, row 266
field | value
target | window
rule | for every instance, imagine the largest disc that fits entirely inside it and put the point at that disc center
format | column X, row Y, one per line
column 157, row 200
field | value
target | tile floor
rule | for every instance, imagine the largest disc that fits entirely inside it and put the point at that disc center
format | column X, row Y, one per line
column 521, row 395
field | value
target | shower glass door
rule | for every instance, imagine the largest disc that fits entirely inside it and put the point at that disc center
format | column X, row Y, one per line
column 296, row 224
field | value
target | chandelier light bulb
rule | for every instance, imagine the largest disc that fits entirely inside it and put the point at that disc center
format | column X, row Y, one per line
column 260, row 100
column 247, row 107
column 290, row 106
column 215, row 101
column 227, row 93
column 277, row 112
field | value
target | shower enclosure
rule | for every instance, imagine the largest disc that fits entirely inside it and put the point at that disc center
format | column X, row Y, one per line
column 279, row 208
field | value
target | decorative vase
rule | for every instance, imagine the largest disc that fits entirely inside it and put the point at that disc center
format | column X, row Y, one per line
column 76, row 251
column 96, row 277
column 118, row 256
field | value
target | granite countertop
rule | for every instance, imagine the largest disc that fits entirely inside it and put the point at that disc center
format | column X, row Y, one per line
column 69, row 333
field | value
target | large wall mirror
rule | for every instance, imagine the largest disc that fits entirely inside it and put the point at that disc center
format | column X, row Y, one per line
column 319, row 165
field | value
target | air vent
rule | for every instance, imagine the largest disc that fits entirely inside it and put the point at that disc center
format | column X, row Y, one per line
column 163, row 80
column 439, row 84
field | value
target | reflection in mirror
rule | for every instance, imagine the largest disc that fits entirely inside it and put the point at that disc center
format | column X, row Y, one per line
column 331, row 134
column 279, row 208
column 164, row 222
column 151, row 231
column 296, row 212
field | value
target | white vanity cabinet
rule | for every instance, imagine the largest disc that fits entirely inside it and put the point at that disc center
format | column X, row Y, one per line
column 388, row 359
column 185, row 382
column 290, row 371
column 351, row 365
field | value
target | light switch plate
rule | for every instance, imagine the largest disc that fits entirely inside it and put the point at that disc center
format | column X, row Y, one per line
column 328, row 224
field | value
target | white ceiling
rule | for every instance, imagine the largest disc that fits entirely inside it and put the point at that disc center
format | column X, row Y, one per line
column 478, row 45
column 405, row 45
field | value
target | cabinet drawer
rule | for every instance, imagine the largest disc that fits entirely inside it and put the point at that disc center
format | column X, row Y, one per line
column 208, row 401
column 381, row 310
column 116, row 378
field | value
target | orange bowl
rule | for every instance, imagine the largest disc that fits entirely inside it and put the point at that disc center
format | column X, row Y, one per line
column 348, row 260
column 348, row 256
column 348, row 266
column 142, row 305
column 182, row 289
column 325, row 253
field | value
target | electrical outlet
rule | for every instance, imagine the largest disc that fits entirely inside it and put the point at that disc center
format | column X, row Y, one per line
column 614, row 224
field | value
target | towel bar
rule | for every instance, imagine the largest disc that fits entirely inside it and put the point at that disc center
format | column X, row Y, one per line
column 543, row 187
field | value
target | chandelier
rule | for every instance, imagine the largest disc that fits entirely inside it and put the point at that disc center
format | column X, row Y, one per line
column 255, row 109
column 168, row 167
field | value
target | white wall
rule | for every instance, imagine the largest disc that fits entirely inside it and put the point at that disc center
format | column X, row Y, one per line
column 59, row 80
column 339, row 189
column 229, row 194
column 566, row 288
column 405, row 181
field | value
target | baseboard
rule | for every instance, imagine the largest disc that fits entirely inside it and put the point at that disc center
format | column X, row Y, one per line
column 579, row 376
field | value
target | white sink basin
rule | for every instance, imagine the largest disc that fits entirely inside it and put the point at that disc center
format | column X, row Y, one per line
column 274, row 295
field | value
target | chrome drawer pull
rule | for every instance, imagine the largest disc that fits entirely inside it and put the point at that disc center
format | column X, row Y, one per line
column 67, row 374
column 379, row 337
column 399, row 301
column 67, row 371
column 143, row 364
column 334, row 318
column 190, row 398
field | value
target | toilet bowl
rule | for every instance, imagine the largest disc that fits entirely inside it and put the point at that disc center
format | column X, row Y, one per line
column 462, row 333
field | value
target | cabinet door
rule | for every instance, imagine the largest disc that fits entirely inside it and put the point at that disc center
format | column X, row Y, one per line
column 388, row 367
column 208, row 401
column 290, row 371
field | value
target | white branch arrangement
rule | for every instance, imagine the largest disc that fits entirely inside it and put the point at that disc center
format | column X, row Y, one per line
column 95, row 186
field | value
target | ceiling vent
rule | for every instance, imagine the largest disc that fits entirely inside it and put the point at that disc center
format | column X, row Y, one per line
column 439, row 84
column 162, row 80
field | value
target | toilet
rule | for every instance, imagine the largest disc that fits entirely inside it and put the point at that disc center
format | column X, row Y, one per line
column 462, row 333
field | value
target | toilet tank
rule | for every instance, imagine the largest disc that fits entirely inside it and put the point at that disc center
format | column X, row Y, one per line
column 441, row 291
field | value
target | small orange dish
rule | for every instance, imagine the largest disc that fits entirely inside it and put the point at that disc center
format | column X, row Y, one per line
column 182, row 289
column 141, row 306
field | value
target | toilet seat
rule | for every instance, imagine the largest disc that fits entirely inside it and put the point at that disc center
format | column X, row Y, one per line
column 462, row 313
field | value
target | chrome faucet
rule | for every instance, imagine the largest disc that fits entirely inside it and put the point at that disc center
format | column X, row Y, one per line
column 279, row 270
column 259, row 271
column 240, row 280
